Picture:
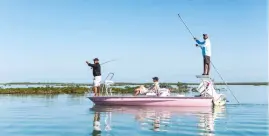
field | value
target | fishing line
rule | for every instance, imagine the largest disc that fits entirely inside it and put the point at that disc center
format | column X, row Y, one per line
column 224, row 81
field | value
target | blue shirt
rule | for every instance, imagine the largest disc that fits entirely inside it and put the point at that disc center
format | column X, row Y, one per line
column 205, row 47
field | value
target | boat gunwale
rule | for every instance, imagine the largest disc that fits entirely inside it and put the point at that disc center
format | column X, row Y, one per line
column 154, row 97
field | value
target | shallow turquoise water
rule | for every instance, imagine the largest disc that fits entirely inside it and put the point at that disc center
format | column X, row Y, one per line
column 69, row 115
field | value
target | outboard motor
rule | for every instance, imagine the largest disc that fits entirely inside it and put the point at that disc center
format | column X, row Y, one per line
column 206, row 89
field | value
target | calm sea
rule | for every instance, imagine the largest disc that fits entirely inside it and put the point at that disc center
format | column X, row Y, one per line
column 75, row 115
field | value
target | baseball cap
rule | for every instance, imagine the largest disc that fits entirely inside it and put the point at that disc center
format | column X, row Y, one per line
column 155, row 78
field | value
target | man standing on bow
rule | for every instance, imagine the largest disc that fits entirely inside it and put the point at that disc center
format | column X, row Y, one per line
column 96, row 70
column 206, row 51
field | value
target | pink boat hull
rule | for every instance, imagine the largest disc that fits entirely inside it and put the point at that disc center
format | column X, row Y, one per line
column 154, row 101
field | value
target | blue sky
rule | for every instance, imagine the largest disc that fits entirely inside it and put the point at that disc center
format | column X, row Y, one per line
column 50, row 40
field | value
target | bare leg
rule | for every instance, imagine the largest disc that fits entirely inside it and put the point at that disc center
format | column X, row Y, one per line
column 98, row 91
column 208, row 69
column 95, row 90
column 137, row 91
column 204, row 68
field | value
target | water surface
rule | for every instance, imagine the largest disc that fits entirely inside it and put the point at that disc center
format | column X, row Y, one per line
column 69, row 115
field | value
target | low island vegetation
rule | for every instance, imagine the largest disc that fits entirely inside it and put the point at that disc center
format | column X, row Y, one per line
column 77, row 89
column 45, row 90
column 82, row 88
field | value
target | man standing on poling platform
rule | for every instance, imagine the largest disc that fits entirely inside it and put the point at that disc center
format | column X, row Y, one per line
column 206, row 51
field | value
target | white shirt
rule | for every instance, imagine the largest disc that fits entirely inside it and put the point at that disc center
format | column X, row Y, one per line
column 155, row 86
column 205, row 46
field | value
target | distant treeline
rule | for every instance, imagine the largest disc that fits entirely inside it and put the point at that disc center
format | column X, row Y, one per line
column 125, row 83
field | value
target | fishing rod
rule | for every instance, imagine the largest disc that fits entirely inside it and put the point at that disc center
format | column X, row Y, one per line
column 107, row 62
column 210, row 61
column 185, row 25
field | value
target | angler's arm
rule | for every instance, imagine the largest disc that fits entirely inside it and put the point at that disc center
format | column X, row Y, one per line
column 201, row 44
column 153, row 87
column 91, row 65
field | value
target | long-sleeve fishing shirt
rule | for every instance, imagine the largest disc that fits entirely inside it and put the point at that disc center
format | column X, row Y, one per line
column 96, row 69
column 205, row 46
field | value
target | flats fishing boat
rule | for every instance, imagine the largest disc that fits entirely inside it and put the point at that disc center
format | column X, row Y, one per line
column 207, row 94
column 208, row 97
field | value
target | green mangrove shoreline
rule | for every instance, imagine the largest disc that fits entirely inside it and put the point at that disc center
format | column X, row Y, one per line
column 76, row 89
column 80, row 88
column 45, row 90
column 61, row 90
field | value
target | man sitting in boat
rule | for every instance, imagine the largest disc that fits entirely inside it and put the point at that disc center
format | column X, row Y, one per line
column 154, row 88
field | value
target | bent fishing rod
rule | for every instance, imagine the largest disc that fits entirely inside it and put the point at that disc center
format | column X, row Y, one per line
column 210, row 60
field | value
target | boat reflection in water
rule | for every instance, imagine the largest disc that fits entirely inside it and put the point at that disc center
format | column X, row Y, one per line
column 161, row 118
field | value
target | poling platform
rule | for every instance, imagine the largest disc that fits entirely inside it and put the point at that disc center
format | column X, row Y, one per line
column 203, row 76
